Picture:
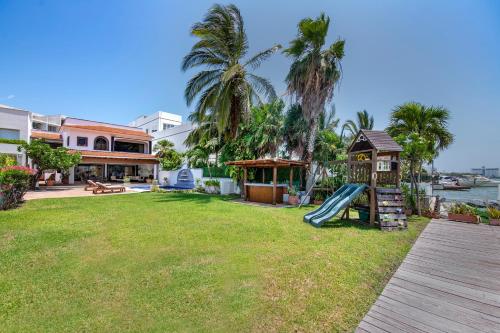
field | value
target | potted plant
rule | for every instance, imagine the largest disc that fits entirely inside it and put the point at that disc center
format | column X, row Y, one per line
column 51, row 180
column 126, row 179
column 494, row 215
column 318, row 198
column 293, row 198
column 462, row 213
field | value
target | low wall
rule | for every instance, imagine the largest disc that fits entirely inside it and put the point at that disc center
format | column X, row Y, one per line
column 227, row 185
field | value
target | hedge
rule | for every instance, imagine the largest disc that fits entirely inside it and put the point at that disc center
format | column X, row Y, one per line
column 12, row 141
column 217, row 172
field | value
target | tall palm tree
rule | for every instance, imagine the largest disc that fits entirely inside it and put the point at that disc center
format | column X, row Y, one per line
column 364, row 121
column 225, row 87
column 425, row 128
column 314, row 73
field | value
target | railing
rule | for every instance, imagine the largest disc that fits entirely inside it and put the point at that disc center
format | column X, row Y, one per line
column 387, row 177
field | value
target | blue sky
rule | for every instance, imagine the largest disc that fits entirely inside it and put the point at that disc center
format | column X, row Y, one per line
column 114, row 60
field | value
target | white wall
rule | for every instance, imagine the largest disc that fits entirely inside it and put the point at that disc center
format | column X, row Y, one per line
column 15, row 119
column 177, row 135
column 154, row 122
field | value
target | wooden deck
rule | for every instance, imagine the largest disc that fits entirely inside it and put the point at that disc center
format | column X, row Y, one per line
column 449, row 282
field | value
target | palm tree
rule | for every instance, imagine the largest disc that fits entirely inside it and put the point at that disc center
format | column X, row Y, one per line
column 425, row 132
column 225, row 88
column 313, row 74
column 364, row 121
column 295, row 131
column 267, row 135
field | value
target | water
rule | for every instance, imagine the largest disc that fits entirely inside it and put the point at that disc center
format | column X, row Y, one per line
column 475, row 193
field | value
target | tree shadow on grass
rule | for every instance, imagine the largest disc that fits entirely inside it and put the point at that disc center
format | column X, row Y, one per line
column 192, row 197
column 338, row 223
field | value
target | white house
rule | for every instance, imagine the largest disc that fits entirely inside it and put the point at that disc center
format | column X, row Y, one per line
column 165, row 126
column 109, row 151
column 15, row 124
column 157, row 121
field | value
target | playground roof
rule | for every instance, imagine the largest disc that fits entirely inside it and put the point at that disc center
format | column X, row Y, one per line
column 268, row 163
column 379, row 140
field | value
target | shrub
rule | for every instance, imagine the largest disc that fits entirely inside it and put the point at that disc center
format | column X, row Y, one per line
column 12, row 141
column 7, row 160
column 212, row 182
column 462, row 209
column 14, row 182
column 494, row 213
column 292, row 191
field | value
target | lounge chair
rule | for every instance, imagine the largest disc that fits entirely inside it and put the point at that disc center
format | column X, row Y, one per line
column 91, row 185
column 105, row 188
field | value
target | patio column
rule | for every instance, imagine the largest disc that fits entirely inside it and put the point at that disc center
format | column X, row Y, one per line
column 275, row 176
column 106, row 171
column 155, row 171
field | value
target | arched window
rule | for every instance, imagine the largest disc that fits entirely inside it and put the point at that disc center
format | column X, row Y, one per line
column 100, row 143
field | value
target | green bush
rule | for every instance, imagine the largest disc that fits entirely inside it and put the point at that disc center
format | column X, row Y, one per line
column 212, row 182
column 219, row 172
column 462, row 209
column 12, row 141
column 14, row 183
column 493, row 213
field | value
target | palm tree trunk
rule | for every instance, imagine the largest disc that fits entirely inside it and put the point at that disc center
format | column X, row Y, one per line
column 310, row 151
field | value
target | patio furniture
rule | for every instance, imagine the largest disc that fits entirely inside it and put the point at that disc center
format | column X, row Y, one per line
column 92, row 185
column 104, row 188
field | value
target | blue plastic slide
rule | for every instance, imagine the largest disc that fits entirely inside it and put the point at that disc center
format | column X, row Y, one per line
column 334, row 204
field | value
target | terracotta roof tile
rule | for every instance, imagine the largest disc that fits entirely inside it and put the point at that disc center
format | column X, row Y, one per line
column 113, row 154
column 113, row 130
column 46, row 135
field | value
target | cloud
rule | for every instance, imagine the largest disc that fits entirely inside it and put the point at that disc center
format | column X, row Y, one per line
column 11, row 96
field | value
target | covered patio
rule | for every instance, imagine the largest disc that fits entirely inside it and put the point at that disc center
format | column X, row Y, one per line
column 115, row 167
column 271, row 193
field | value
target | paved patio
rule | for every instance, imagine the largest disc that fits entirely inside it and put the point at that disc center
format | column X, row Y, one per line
column 67, row 191
column 448, row 282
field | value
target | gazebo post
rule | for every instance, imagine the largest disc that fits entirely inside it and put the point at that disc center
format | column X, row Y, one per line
column 275, row 177
column 290, row 184
column 373, row 185
column 244, row 182
column 263, row 175
column 398, row 171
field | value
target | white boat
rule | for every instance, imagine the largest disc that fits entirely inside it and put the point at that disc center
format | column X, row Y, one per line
column 477, row 181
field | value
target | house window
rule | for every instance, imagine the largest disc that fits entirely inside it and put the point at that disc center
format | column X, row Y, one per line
column 37, row 126
column 82, row 141
column 52, row 128
column 100, row 143
column 9, row 134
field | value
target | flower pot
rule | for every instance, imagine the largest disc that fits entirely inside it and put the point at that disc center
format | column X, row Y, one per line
column 318, row 202
column 463, row 218
column 495, row 222
column 293, row 199
column 50, row 182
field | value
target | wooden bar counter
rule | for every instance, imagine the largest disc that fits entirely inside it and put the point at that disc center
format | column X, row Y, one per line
column 259, row 192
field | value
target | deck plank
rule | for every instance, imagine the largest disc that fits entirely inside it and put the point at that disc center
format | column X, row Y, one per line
column 449, row 282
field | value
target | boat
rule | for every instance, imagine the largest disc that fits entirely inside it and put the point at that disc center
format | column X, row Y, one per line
column 477, row 181
column 449, row 183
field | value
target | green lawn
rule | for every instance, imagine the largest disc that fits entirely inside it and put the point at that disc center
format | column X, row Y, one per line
column 187, row 262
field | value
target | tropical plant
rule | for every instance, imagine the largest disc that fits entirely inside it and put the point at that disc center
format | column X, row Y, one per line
column 462, row 209
column 14, row 183
column 295, row 131
column 493, row 213
column 46, row 158
column 7, row 160
column 313, row 74
column 423, row 133
column 169, row 158
column 226, row 88
column 266, row 127
column 363, row 121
